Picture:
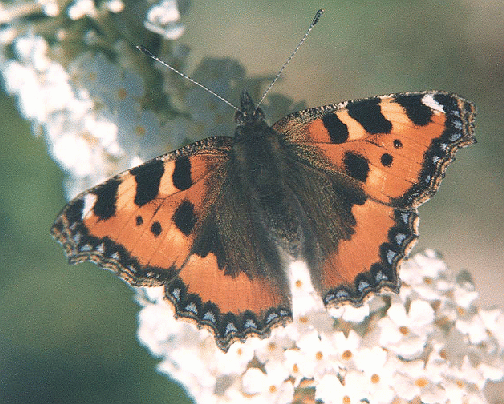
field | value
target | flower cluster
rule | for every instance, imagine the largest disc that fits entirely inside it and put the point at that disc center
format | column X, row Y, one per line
column 99, row 101
column 431, row 343
column 81, row 87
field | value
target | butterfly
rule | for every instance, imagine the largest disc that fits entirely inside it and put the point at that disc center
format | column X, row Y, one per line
column 217, row 222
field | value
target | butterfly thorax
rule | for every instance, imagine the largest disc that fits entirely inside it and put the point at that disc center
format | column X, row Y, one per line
column 260, row 168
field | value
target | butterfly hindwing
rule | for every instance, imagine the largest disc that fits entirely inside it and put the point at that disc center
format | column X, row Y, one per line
column 396, row 148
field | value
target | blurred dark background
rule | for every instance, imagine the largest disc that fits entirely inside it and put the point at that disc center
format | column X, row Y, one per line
column 67, row 334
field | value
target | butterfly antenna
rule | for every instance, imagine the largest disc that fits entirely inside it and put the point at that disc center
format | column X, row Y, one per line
column 315, row 20
column 148, row 53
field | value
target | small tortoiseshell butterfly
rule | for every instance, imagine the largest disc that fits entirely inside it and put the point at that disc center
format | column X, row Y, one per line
column 218, row 221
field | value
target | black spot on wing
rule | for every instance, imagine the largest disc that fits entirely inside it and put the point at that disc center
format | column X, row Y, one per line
column 386, row 159
column 398, row 144
column 185, row 217
column 338, row 131
column 418, row 113
column 106, row 196
column 156, row 228
column 147, row 176
column 181, row 176
column 139, row 220
column 368, row 114
column 356, row 166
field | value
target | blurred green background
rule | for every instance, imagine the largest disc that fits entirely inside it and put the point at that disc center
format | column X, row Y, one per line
column 67, row 333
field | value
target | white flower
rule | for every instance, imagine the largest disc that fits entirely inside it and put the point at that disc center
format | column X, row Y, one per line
column 378, row 371
column 430, row 285
column 163, row 19
column 350, row 313
column 267, row 387
column 315, row 354
column 406, row 333
column 412, row 380
column 116, row 6
column 81, row 8
column 494, row 323
column 473, row 327
column 465, row 295
column 346, row 347
column 330, row 390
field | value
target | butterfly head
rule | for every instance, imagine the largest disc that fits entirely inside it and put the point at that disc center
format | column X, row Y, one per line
column 249, row 113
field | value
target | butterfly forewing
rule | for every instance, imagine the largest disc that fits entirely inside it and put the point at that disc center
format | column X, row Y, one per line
column 397, row 146
column 127, row 221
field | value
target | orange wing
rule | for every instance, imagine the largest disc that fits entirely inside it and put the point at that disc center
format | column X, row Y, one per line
column 395, row 149
column 170, row 222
